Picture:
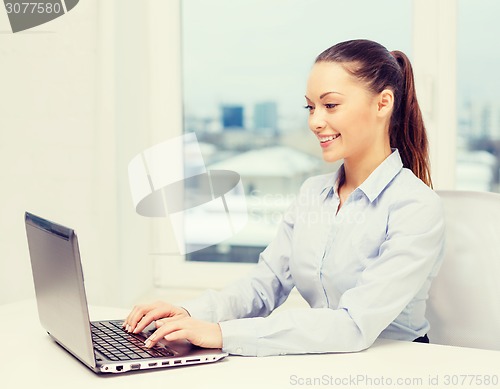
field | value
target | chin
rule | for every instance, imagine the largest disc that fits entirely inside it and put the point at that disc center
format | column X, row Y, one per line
column 331, row 157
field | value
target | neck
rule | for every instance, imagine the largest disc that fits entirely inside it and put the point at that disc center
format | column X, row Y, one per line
column 357, row 170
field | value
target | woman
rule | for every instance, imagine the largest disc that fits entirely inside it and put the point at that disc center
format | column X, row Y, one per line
column 361, row 245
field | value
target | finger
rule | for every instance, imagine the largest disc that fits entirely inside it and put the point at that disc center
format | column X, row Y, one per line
column 129, row 316
column 159, row 323
column 136, row 315
column 151, row 312
column 164, row 320
column 149, row 317
column 146, row 320
column 163, row 331
column 177, row 335
column 151, row 341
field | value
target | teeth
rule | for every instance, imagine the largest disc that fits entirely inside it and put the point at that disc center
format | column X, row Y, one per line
column 328, row 138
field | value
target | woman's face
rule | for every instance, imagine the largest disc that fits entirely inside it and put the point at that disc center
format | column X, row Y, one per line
column 342, row 113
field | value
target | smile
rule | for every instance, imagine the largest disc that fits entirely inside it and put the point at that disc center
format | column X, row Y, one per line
column 328, row 138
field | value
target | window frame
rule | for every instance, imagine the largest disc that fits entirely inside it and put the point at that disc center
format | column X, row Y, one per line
column 434, row 65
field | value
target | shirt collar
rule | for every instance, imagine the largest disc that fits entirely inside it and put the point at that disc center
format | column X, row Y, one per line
column 376, row 182
column 330, row 186
column 380, row 178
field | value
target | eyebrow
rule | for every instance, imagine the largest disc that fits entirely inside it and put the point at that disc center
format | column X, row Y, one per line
column 325, row 94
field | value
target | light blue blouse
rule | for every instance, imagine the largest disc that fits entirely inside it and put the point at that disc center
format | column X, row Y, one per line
column 365, row 271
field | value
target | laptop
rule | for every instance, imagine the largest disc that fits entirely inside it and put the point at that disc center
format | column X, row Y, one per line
column 102, row 346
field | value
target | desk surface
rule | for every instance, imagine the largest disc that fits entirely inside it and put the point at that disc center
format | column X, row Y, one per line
column 35, row 359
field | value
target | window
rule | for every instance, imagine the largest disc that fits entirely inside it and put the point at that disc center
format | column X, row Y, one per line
column 478, row 57
column 245, row 66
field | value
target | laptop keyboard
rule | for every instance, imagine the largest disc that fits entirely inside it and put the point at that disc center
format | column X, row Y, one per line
column 111, row 340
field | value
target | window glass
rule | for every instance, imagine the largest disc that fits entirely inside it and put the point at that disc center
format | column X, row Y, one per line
column 245, row 66
column 478, row 58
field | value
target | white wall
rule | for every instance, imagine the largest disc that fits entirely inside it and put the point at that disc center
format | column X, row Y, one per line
column 80, row 97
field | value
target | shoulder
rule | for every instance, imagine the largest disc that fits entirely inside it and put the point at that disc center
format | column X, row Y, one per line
column 409, row 187
column 410, row 197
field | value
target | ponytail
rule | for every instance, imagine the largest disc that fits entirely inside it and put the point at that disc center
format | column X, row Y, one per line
column 379, row 69
column 407, row 130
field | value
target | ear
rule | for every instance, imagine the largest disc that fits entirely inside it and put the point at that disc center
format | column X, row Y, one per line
column 385, row 103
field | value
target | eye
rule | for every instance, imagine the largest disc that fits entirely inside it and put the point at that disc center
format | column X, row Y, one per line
column 330, row 106
column 309, row 107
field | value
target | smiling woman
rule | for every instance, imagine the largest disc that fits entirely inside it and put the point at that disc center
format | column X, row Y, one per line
column 361, row 245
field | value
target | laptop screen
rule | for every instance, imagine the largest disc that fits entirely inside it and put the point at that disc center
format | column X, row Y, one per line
column 59, row 286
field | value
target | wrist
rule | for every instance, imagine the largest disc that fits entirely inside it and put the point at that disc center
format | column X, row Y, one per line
column 219, row 336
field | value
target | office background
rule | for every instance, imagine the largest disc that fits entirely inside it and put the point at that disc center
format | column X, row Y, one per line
column 85, row 93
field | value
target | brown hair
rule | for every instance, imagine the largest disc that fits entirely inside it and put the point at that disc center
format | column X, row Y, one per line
column 379, row 69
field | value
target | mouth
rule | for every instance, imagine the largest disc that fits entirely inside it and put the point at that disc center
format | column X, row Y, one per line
column 325, row 141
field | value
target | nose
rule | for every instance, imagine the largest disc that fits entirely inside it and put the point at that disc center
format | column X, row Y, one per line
column 317, row 121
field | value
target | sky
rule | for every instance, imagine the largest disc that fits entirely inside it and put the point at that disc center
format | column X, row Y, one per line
column 478, row 50
column 260, row 50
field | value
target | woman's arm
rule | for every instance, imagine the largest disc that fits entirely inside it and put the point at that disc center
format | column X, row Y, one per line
column 264, row 289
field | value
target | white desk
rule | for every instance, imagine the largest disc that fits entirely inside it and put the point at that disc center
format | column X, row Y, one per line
column 34, row 359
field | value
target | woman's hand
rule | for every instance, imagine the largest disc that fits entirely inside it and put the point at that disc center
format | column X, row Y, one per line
column 198, row 332
column 143, row 315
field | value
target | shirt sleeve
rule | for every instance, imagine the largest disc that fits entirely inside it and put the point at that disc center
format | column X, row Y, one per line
column 257, row 295
column 412, row 249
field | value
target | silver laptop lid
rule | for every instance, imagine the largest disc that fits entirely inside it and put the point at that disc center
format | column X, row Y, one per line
column 59, row 286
